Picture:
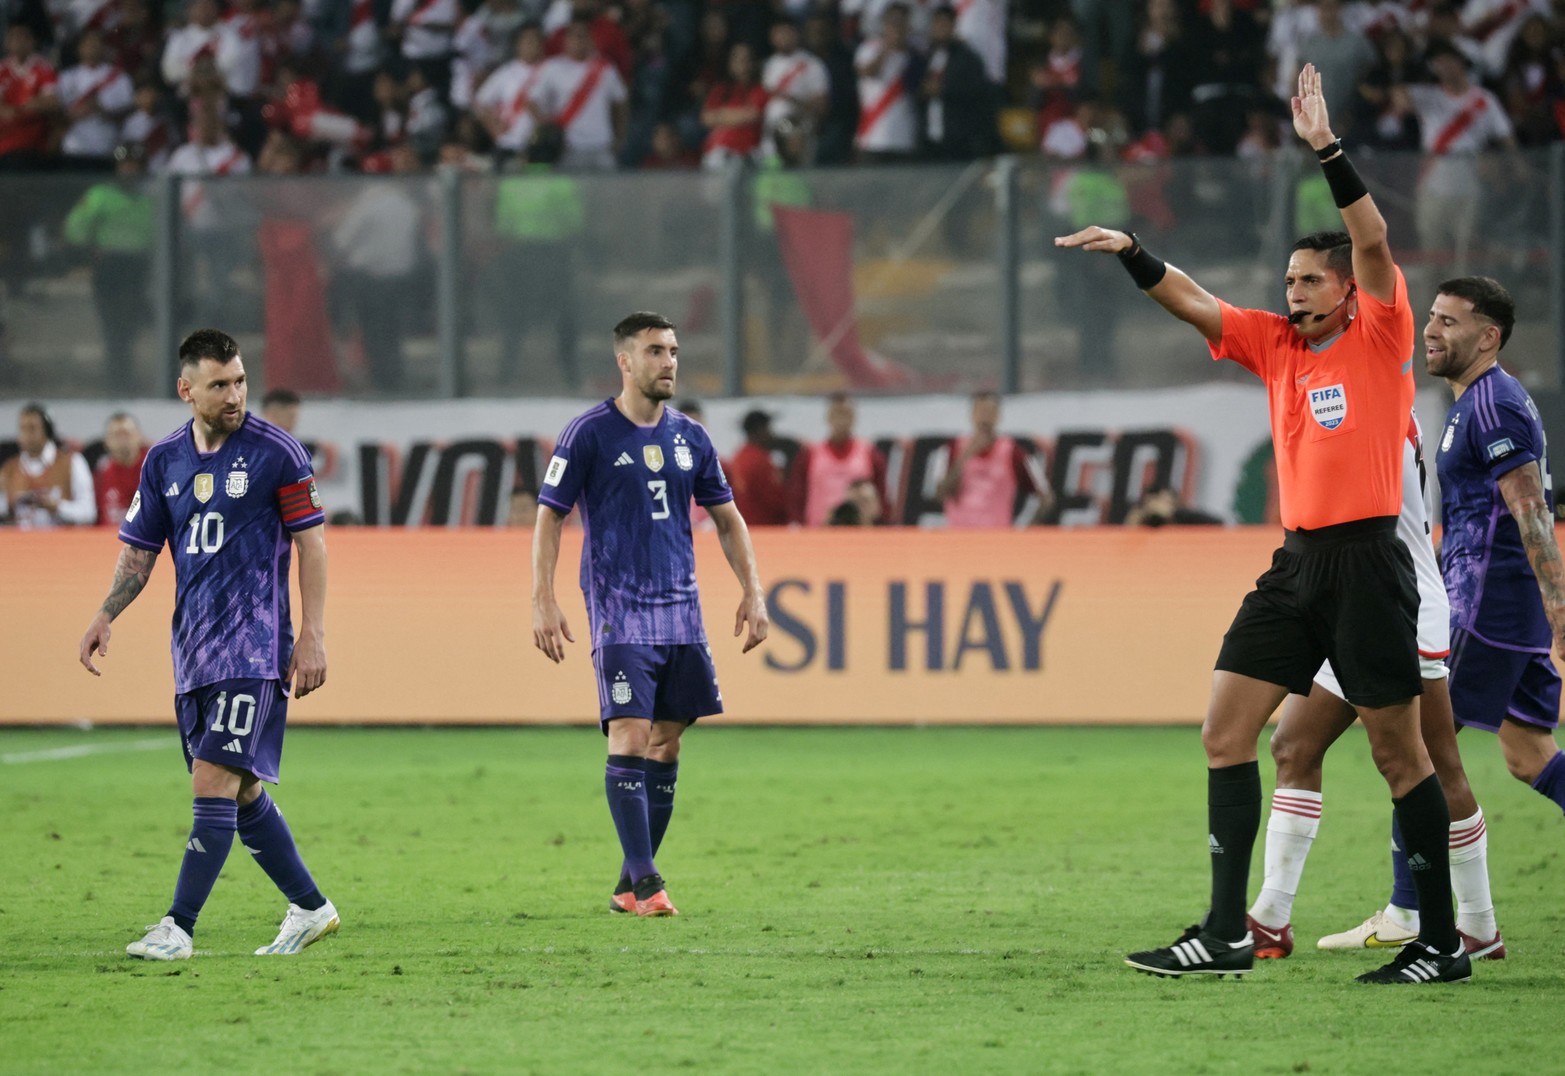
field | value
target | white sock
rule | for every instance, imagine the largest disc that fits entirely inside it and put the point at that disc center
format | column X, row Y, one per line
column 1290, row 830
column 1470, row 877
column 1406, row 918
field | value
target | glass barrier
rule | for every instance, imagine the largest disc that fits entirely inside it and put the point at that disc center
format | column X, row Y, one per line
column 550, row 262
column 884, row 280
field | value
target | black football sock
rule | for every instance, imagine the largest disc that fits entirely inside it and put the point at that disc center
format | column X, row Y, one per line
column 1426, row 825
column 1233, row 811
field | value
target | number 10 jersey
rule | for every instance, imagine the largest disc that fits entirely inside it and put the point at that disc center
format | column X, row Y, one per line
column 227, row 518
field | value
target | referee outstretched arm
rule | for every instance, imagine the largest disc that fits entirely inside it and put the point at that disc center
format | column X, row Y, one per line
column 1374, row 272
column 1342, row 591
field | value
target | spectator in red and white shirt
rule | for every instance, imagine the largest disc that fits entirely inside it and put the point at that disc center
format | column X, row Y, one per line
column 503, row 103
column 608, row 37
column 484, row 40
column 1457, row 119
column 582, row 93
column 1494, row 24
column 119, row 470
column 426, row 29
column 252, row 25
column 888, row 120
column 79, row 16
column 149, row 126
column 28, row 101
column 97, row 96
column 238, row 61
column 795, row 81
column 732, row 112
column 210, row 152
column 822, row 475
column 988, row 474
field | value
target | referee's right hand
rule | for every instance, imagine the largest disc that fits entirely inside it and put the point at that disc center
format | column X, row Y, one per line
column 1105, row 240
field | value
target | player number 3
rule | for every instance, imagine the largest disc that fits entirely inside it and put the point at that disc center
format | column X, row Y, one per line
column 241, row 714
column 659, row 488
column 206, row 533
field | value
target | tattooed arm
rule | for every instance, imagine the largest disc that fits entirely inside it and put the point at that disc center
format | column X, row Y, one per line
column 1523, row 491
column 130, row 575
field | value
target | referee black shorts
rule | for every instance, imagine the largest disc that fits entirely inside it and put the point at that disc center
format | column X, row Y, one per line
column 1345, row 594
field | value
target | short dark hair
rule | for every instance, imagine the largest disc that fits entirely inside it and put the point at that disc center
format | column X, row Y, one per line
column 207, row 344
column 634, row 325
column 281, row 397
column 1338, row 248
column 1489, row 298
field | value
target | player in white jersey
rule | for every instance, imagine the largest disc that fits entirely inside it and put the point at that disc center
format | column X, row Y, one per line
column 1312, row 724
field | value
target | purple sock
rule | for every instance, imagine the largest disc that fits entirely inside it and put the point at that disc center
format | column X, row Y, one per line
column 624, row 780
column 1403, row 893
column 1551, row 782
column 211, row 836
column 661, row 778
column 265, row 834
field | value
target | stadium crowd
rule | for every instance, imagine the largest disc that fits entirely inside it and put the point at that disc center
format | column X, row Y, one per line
column 281, row 86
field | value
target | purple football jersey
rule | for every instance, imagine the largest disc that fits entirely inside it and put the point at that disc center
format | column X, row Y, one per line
column 227, row 517
column 634, row 485
column 1494, row 428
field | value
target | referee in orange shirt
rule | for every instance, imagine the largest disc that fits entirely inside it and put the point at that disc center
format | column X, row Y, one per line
column 1338, row 374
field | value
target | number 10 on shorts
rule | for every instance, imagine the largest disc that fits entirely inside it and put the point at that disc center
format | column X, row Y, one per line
column 240, row 714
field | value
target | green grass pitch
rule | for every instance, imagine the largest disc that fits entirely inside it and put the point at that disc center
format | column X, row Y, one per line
column 854, row 900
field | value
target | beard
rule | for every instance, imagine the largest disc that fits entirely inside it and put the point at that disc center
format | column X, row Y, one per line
column 218, row 419
column 654, row 389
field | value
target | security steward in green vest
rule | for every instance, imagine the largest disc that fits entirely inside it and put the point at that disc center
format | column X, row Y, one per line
column 114, row 221
column 540, row 218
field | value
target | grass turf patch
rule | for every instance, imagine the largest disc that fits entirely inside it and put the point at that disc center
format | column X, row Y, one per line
column 852, row 899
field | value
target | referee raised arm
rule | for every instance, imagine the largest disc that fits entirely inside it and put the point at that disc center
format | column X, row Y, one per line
column 1338, row 375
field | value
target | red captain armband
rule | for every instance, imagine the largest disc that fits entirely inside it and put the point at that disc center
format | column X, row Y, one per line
column 299, row 500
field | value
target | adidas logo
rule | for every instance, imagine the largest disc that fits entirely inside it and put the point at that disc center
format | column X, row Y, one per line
column 195, row 846
column 624, row 460
column 172, row 491
column 1416, row 862
column 233, row 745
column 1211, row 841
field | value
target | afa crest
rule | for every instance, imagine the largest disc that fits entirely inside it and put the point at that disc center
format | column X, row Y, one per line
column 238, row 483
column 620, row 691
column 682, row 455
column 652, row 455
column 203, row 488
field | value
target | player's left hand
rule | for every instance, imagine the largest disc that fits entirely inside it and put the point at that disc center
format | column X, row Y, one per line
column 1556, row 616
column 96, row 641
column 1310, row 121
column 307, row 670
column 752, row 610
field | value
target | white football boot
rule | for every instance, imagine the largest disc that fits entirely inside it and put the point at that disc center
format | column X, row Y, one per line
column 302, row 928
column 164, row 941
column 1376, row 932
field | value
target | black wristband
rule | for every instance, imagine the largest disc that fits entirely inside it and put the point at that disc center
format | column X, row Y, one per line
column 1143, row 268
column 1343, row 178
column 1330, row 149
